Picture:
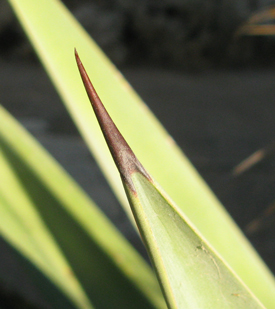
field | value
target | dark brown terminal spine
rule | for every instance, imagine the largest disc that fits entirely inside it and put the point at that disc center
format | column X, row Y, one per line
column 124, row 158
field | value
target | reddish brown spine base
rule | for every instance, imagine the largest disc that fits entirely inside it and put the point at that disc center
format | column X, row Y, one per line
column 124, row 158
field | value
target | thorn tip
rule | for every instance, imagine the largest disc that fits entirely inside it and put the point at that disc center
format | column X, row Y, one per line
column 124, row 158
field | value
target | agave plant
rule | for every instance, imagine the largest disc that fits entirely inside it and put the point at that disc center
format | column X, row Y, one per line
column 76, row 256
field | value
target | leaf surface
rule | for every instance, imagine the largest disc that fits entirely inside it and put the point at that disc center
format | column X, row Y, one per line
column 191, row 273
column 55, row 226
column 54, row 34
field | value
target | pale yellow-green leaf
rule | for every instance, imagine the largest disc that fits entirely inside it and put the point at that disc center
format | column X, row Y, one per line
column 53, row 223
column 54, row 33
column 22, row 226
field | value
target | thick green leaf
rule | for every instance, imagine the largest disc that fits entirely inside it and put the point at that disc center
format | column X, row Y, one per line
column 191, row 273
column 53, row 223
column 54, row 33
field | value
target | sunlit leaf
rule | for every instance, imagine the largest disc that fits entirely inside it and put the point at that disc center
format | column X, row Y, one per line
column 54, row 33
column 191, row 273
column 53, row 224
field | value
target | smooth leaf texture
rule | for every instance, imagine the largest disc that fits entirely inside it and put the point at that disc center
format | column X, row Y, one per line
column 54, row 34
column 190, row 273
column 53, row 223
column 22, row 226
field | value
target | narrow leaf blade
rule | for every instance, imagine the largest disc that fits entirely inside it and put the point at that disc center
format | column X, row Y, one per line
column 22, row 226
column 54, row 33
column 54, row 224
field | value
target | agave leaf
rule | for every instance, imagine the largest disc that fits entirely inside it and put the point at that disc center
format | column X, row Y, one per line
column 22, row 226
column 191, row 273
column 54, row 33
column 53, row 223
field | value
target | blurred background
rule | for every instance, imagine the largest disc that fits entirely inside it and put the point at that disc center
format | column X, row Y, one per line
column 178, row 34
column 205, row 68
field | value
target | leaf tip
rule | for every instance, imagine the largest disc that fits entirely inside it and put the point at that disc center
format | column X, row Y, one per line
column 124, row 158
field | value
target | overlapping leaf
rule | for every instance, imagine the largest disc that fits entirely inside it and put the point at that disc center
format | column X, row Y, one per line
column 53, row 223
column 54, row 33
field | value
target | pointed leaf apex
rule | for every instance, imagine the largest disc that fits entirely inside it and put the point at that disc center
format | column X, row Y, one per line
column 124, row 158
